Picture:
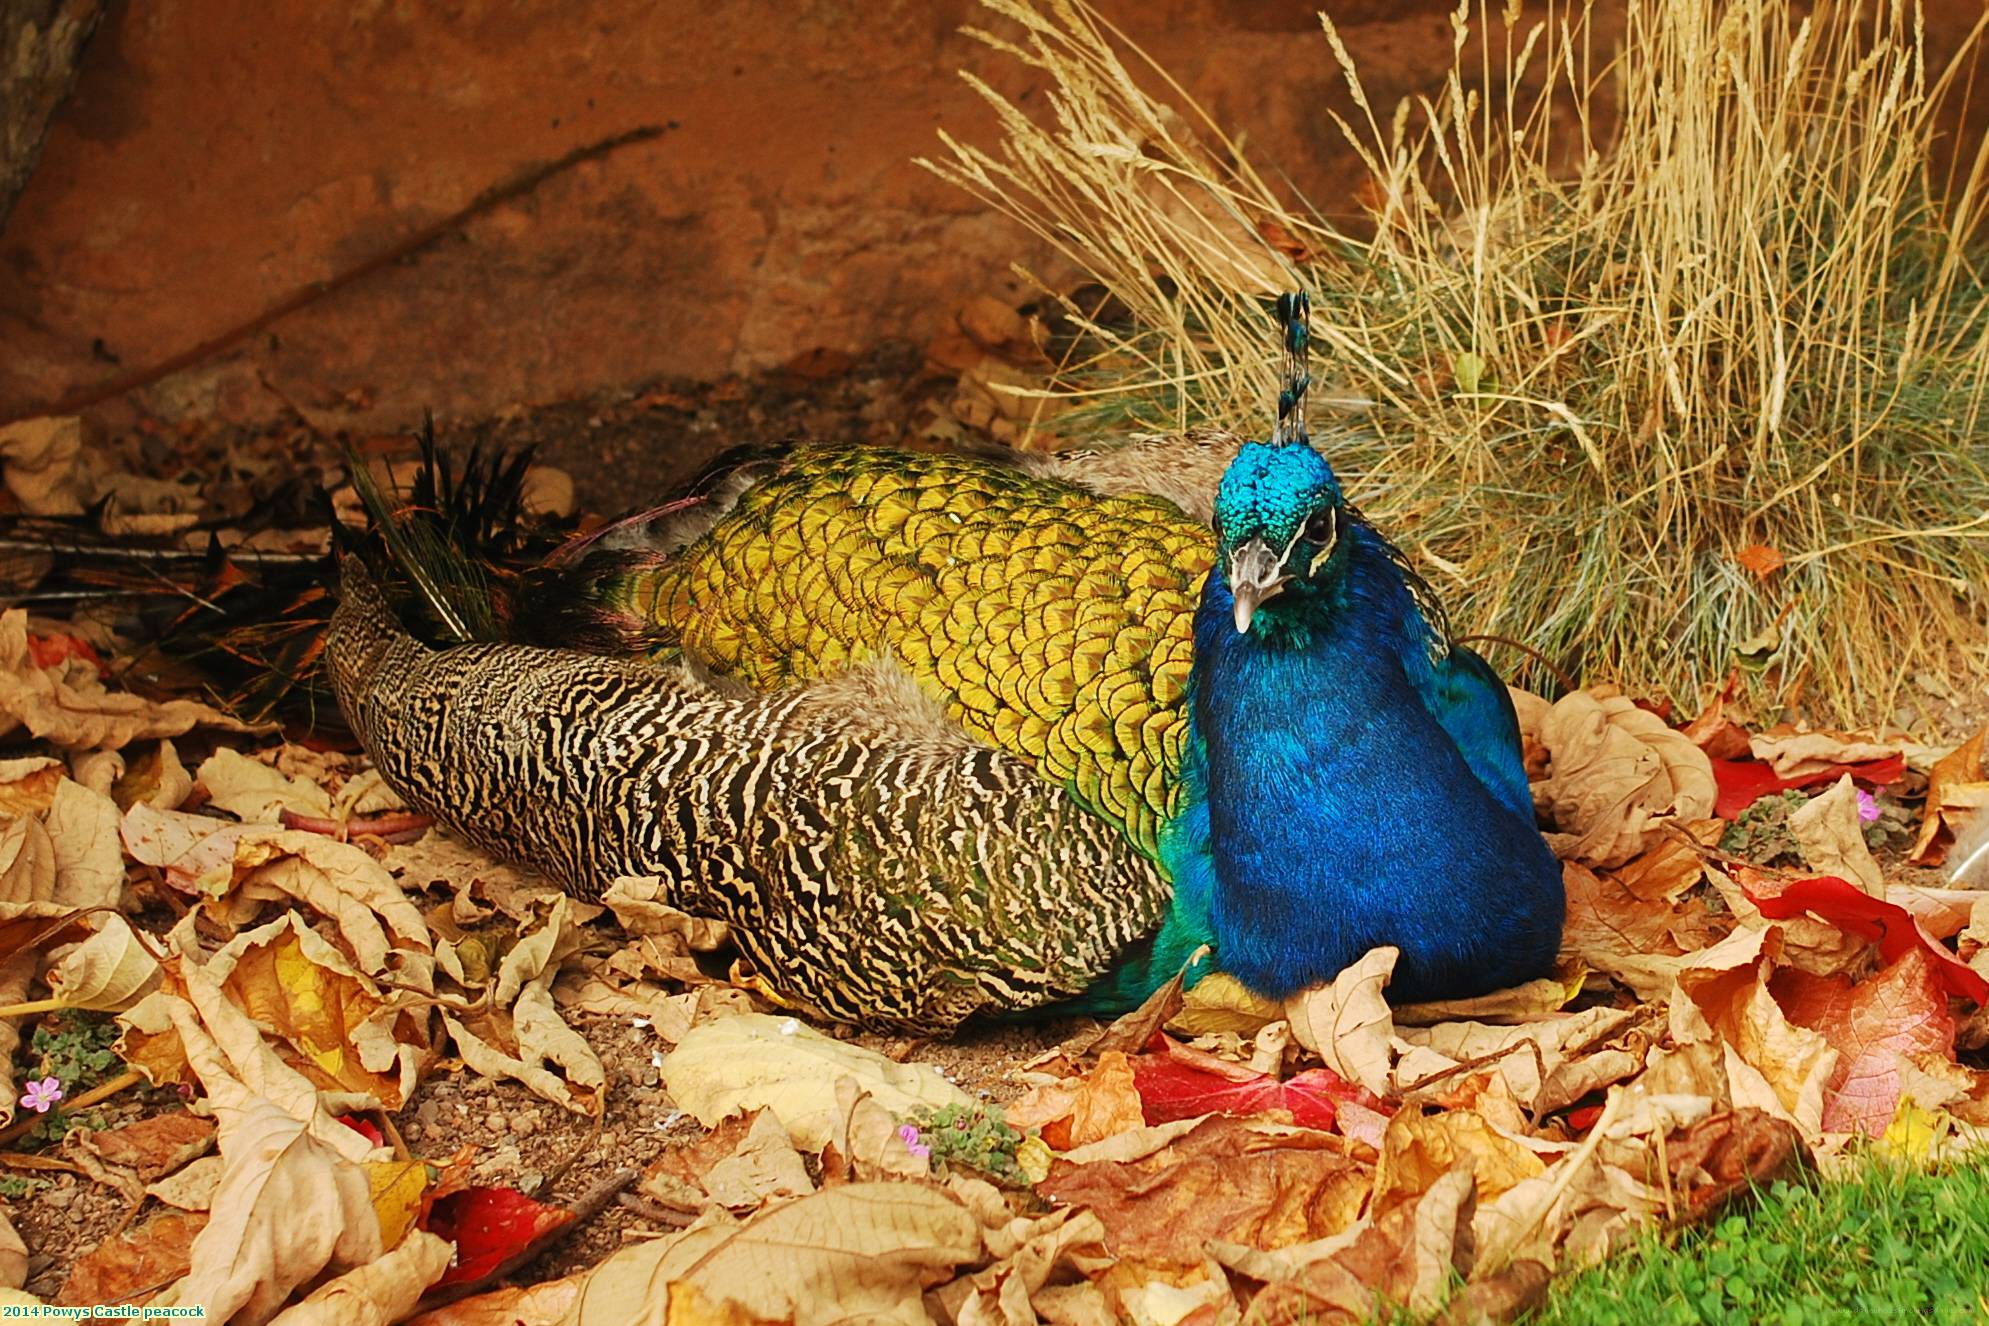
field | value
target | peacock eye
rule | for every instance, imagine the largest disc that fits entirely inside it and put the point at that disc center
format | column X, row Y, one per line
column 1321, row 526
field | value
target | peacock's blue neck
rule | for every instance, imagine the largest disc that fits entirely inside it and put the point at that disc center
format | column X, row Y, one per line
column 1331, row 812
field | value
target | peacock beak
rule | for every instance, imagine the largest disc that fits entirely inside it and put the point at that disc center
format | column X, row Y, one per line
column 1256, row 573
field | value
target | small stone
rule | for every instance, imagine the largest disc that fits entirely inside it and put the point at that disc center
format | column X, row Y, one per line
column 496, row 1122
column 59, row 1198
column 523, row 1125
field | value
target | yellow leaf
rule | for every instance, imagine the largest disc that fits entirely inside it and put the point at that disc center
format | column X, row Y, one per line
column 397, row 1187
column 1219, row 1002
column 759, row 1061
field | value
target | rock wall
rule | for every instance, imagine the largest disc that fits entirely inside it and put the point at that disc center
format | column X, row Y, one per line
column 215, row 158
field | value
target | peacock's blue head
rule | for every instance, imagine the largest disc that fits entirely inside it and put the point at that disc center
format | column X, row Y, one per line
column 1279, row 516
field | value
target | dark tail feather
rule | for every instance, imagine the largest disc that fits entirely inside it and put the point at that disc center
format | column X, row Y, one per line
column 248, row 627
column 568, row 601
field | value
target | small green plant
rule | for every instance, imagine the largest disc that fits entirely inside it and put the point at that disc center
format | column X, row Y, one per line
column 65, row 1060
column 970, row 1137
column 1762, row 835
column 14, row 1187
column 77, row 1052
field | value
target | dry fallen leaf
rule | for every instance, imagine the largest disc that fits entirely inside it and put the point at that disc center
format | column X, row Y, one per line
column 1409, row 1255
column 253, row 792
column 127, row 1265
column 741, row 1164
column 1957, row 790
column 287, row 1210
column 1793, row 753
column 1347, row 1023
column 1079, row 1111
column 68, row 705
column 1263, row 1185
column 1615, row 773
column 856, row 1252
column 757, row 1061
column 379, row 1293
column 1885, row 1019
column 1832, row 838
column 108, row 972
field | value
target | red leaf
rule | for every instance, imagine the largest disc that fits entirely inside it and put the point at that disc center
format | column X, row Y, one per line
column 365, row 1127
column 1900, row 1012
column 1743, row 782
column 491, row 1227
column 48, row 650
column 1856, row 912
column 1180, row 1083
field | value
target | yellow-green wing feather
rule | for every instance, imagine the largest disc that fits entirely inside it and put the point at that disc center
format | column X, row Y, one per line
column 1051, row 621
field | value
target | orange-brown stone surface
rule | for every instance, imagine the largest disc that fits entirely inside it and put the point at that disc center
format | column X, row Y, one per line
column 215, row 158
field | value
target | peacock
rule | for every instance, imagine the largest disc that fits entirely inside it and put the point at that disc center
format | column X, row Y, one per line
column 1267, row 705
column 875, row 865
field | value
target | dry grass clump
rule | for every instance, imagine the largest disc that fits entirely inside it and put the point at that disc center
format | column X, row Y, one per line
column 1707, row 394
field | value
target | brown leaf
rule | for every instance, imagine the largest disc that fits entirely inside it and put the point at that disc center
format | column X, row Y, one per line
column 68, row 705
column 1616, row 771
column 1410, row 1256
column 1794, row 752
column 1726, row 1156
column 124, row 1265
column 1420, row 1149
column 13, row 1255
column 856, row 1252
column 1892, row 1016
column 152, row 1147
column 760, row 1164
column 758, row 1061
column 1760, row 559
column 253, row 792
column 1957, row 788
column 338, row 1028
column 288, row 1209
column 542, row 1304
column 1776, row 1065
column 379, row 1293
column 1261, row 1185
column 1089, row 1109
column 1832, row 838
column 1347, row 1023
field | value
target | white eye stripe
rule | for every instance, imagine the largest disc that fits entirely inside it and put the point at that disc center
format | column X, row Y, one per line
column 1332, row 542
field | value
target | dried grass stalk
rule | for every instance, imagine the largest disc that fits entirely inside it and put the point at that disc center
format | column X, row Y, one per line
column 1604, row 375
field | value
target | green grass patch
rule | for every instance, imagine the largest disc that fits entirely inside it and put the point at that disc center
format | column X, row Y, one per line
column 1891, row 1245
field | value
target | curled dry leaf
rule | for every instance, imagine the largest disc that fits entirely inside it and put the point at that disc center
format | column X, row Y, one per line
column 1772, row 1063
column 1832, row 838
column 1347, row 1023
column 108, row 972
column 1615, row 773
column 1545, row 1064
column 741, row 1164
column 1410, row 1255
column 1079, row 1111
column 255, row 793
column 378, row 1293
column 856, row 1252
column 338, row 1028
column 1957, row 791
column 868, row 1146
column 519, row 1032
column 68, row 705
column 287, row 1210
column 1793, row 753
column 1264, row 1185
column 758, row 1061
column 1419, row 1149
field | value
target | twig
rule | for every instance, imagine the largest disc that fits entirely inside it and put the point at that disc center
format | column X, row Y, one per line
column 1568, row 683
column 518, row 185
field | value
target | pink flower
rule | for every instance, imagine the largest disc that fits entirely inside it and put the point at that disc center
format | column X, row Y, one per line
column 40, row 1096
column 1868, row 807
column 911, row 1137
